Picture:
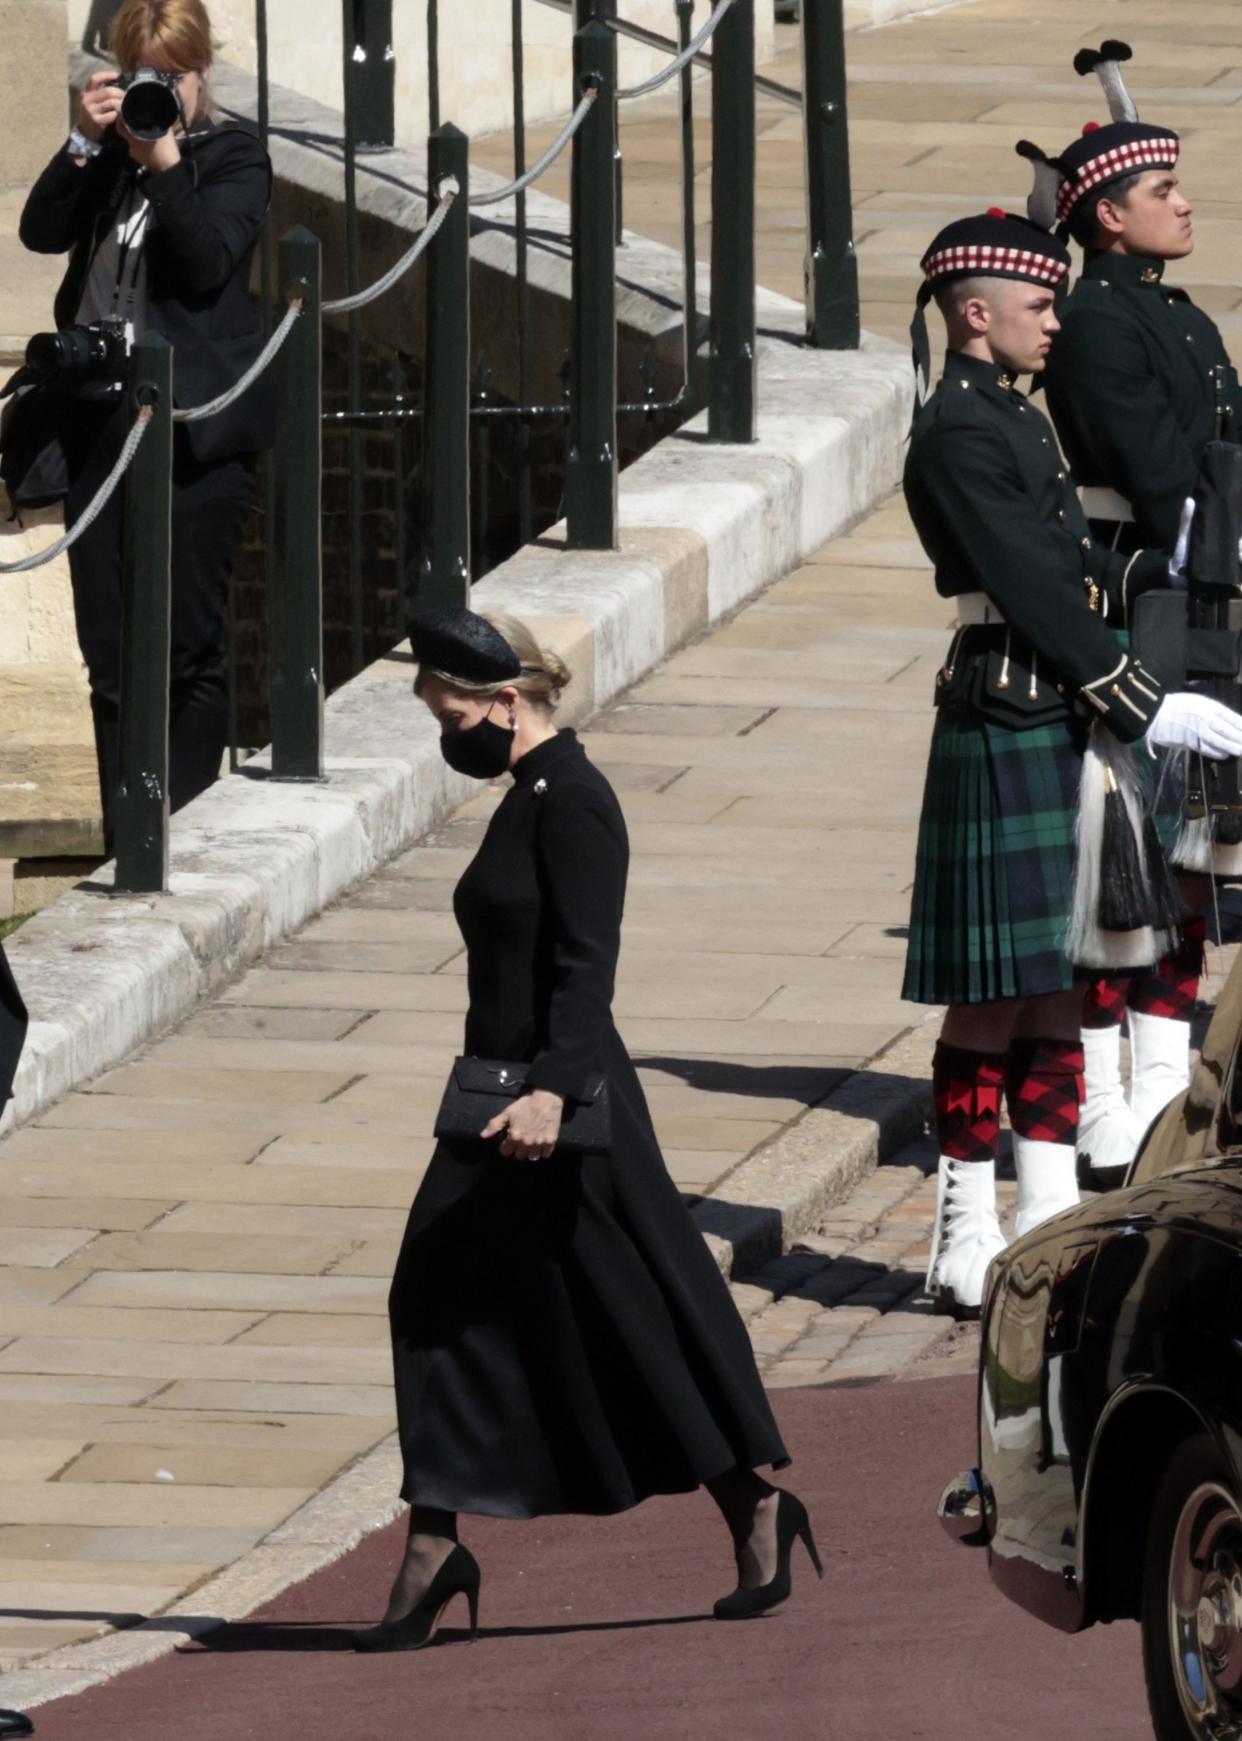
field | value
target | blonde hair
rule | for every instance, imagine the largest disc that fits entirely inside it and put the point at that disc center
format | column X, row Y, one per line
column 179, row 30
column 543, row 676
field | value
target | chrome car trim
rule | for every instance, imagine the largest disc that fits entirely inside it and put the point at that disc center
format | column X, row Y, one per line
column 967, row 1509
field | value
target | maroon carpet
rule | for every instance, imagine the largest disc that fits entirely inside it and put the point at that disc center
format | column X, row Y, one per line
column 595, row 1630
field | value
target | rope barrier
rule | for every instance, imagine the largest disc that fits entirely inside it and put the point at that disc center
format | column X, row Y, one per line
column 196, row 413
column 549, row 157
column 94, row 508
column 447, row 193
column 683, row 59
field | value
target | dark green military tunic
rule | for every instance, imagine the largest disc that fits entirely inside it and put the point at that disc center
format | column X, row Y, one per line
column 998, row 515
column 1131, row 392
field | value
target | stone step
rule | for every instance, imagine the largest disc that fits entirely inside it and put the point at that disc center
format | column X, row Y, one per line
column 49, row 791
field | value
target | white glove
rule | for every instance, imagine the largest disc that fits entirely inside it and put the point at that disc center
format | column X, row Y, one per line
column 1181, row 550
column 1196, row 722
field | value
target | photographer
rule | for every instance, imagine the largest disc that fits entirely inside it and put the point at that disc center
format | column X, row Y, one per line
column 160, row 209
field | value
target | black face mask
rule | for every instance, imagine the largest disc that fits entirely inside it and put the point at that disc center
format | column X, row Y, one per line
column 482, row 751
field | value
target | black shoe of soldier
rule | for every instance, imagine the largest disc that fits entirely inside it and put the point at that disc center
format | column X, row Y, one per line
column 13, row 1724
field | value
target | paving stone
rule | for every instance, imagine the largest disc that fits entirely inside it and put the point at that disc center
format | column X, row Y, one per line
column 34, row 1460
column 231, row 1022
column 160, row 1545
column 358, row 1399
column 238, row 1291
column 42, row 1247
column 319, row 1330
column 171, row 1252
column 215, row 1466
column 150, row 1326
column 250, row 1361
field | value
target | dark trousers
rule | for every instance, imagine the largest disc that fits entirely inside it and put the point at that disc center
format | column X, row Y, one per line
column 210, row 504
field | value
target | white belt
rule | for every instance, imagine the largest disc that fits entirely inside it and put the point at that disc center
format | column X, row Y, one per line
column 976, row 607
column 1101, row 503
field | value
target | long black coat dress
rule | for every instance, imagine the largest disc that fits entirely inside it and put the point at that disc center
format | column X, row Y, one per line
column 563, row 1341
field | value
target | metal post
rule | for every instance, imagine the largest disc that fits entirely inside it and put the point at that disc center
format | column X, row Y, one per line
column 141, row 799
column 433, row 65
column 690, row 317
column 372, row 66
column 605, row 12
column 353, row 283
column 445, row 577
column 521, row 239
column 731, row 412
column 297, row 600
column 591, row 470
column 832, row 321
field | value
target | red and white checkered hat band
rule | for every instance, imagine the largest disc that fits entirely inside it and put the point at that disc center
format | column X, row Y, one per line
column 1121, row 160
column 988, row 258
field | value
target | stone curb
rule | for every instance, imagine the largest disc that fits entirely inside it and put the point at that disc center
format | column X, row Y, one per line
column 786, row 1187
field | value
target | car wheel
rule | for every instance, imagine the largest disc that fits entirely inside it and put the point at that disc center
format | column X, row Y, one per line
column 1192, row 1599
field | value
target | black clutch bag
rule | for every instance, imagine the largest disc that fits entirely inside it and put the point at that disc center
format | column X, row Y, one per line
column 479, row 1088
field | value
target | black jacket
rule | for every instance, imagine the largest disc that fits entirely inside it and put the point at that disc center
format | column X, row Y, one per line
column 206, row 217
column 13, row 1024
column 540, row 910
column 997, row 513
column 1130, row 388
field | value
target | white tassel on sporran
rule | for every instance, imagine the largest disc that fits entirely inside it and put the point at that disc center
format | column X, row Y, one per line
column 1124, row 909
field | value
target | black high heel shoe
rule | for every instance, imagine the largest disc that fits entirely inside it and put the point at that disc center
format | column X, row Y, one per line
column 458, row 1576
column 792, row 1522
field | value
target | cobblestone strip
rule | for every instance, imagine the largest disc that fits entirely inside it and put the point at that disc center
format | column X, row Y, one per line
column 846, row 1304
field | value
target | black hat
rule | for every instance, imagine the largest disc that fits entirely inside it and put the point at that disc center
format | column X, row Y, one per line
column 461, row 644
column 1105, row 154
column 995, row 244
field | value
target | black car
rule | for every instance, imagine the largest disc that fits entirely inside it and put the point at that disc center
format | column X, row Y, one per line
column 1109, row 1481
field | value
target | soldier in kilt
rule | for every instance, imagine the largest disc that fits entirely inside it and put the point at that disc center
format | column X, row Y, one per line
column 1133, row 391
column 1032, row 672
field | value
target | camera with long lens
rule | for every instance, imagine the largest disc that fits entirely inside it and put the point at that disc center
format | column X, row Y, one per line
column 151, row 106
column 87, row 362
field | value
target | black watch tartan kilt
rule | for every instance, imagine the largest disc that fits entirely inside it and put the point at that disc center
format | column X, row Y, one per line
column 995, row 862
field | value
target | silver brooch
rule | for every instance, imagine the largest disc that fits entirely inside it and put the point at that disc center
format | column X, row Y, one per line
column 539, row 788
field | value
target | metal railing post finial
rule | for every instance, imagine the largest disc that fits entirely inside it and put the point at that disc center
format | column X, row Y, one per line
column 832, row 317
column 445, row 573
column 591, row 468
column 297, row 597
column 731, row 403
column 139, row 806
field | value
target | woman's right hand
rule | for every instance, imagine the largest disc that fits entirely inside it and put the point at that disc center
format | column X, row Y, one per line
column 100, row 104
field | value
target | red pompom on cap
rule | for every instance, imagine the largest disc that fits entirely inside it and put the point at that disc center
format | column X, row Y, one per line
column 995, row 212
column 1090, row 127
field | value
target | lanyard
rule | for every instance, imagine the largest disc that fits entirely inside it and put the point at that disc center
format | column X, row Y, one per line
column 131, row 237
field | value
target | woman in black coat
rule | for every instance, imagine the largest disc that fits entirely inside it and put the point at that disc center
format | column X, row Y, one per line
column 562, row 1339
column 160, row 236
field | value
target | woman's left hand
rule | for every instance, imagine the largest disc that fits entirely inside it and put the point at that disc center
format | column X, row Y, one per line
column 151, row 154
column 530, row 1125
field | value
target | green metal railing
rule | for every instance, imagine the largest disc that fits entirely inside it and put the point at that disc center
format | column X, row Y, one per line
column 458, row 406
